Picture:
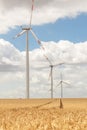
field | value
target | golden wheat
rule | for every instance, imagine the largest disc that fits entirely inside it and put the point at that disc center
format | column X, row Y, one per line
column 43, row 114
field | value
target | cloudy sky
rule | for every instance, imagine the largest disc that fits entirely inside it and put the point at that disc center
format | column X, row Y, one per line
column 61, row 26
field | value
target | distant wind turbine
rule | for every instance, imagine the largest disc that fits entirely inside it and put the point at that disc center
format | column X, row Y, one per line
column 61, row 87
column 51, row 77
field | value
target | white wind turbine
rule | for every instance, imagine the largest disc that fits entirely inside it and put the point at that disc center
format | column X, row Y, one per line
column 51, row 76
column 51, row 66
column 26, row 30
column 61, row 87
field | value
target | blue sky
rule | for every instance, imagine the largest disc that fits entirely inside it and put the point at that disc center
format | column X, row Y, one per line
column 72, row 29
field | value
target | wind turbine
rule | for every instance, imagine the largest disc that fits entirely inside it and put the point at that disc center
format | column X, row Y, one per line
column 61, row 87
column 50, row 63
column 26, row 30
column 51, row 76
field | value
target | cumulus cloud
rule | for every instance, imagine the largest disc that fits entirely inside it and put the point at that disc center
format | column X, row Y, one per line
column 10, row 58
column 13, row 13
column 62, row 51
column 12, row 69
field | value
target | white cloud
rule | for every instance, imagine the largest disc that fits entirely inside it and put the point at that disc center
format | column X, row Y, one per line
column 14, row 13
column 12, row 69
column 10, row 58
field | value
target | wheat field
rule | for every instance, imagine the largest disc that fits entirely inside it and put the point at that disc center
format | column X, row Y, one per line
column 43, row 114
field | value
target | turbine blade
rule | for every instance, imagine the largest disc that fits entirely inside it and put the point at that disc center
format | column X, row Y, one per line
column 65, row 82
column 19, row 34
column 58, row 84
column 47, row 59
column 59, row 64
column 76, row 64
column 49, row 75
column 36, row 38
column 40, row 44
column 32, row 8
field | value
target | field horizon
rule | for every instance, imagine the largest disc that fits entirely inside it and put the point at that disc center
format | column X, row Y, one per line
column 39, row 101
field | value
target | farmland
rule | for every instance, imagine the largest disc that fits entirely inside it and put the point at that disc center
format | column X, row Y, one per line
column 43, row 114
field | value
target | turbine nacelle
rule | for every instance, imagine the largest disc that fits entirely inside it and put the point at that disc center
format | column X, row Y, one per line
column 26, row 28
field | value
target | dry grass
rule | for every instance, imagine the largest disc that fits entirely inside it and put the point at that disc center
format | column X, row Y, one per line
column 43, row 114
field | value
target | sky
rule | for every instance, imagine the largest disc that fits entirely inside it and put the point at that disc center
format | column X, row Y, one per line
column 61, row 27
